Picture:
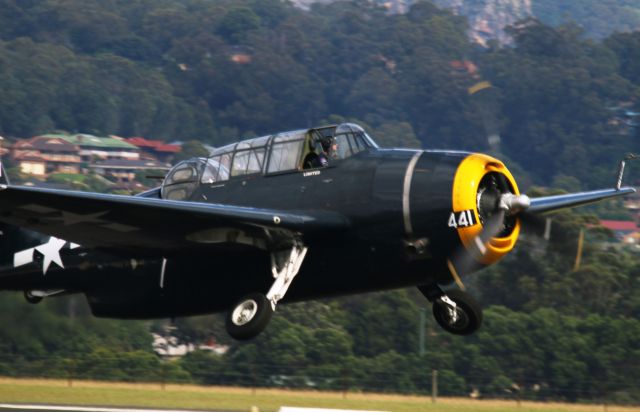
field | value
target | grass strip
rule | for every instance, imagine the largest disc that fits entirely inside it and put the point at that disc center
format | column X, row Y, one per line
column 242, row 399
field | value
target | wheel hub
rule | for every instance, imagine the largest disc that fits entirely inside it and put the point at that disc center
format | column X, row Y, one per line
column 457, row 318
column 244, row 312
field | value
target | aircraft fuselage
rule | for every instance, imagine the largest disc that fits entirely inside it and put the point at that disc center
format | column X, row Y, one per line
column 397, row 202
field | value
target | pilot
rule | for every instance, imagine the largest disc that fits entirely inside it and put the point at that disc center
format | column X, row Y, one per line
column 325, row 143
column 330, row 149
column 320, row 159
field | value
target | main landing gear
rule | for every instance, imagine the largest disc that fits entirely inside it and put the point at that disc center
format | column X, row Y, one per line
column 455, row 311
column 249, row 316
column 252, row 313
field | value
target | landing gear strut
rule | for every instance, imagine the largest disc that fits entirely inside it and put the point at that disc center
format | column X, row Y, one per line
column 252, row 313
column 456, row 311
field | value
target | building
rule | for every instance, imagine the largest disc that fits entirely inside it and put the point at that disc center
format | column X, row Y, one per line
column 124, row 170
column 154, row 149
column 170, row 347
column 43, row 155
column 624, row 230
column 240, row 54
column 93, row 148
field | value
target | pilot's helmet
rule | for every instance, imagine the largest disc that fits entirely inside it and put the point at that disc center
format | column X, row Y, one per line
column 326, row 143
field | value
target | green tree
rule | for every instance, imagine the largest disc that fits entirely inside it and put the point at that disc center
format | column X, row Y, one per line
column 398, row 134
column 237, row 22
column 192, row 148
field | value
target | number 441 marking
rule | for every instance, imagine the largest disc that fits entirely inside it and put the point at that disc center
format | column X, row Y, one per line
column 465, row 218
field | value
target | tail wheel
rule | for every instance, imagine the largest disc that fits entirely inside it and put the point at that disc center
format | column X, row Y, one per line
column 31, row 298
column 468, row 313
column 249, row 317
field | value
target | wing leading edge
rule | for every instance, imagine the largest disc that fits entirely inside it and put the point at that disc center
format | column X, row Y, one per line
column 548, row 204
column 137, row 223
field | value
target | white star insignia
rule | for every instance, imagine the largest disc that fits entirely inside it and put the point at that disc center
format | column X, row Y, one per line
column 51, row 253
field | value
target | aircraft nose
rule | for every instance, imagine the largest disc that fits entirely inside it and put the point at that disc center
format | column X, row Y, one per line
column 485, row 188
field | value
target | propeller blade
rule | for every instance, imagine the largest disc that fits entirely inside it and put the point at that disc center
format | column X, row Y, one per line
column 464, row 261
column 498, row 203
column 494, row 225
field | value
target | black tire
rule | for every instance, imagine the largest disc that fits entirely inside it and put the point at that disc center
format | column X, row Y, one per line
column 32, row 299
column 256, row 316
column 468, row 310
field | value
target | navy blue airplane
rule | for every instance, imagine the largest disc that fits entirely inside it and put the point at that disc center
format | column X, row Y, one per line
column 287, row 217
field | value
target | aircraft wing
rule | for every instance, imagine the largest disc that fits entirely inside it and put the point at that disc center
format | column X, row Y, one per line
column 128, row 223
column 552, row 203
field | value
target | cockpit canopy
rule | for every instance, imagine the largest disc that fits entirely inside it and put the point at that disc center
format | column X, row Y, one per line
column 349, row 139
column 279, row 153
column 182, row 179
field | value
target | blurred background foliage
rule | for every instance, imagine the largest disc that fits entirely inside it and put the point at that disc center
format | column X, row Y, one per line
column 218, row 71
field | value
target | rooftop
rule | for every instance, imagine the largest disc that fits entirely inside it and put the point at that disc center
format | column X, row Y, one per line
column 156, row 145
column 46, row 143
column 620, row 225
column 88, row 140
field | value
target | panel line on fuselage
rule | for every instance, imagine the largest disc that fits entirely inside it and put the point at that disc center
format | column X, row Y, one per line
column 162, row 270
column 406, row 191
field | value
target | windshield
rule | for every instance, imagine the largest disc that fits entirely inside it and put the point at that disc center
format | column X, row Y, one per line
column 348, row 140
column 182, row 179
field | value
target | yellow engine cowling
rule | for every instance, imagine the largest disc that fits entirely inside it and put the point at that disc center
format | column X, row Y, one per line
column 466, row 186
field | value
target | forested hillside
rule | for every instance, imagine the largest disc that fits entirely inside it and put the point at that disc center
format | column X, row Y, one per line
column 217, row 71
column 557, row 112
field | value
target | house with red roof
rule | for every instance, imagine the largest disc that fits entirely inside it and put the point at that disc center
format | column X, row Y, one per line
column 154, row 149
column 624, row 230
